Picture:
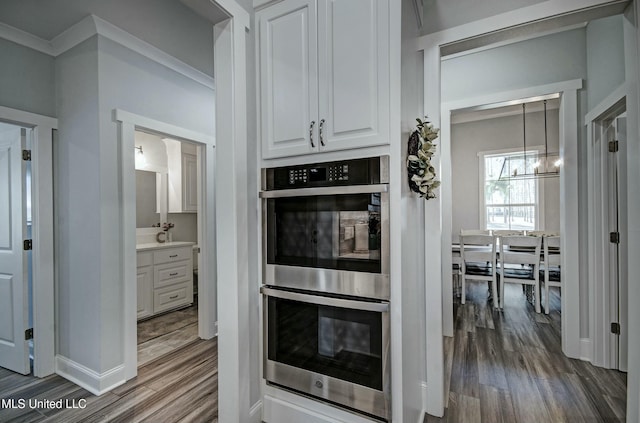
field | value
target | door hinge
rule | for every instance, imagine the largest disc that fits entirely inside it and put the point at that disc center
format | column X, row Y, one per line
column 614, row 237
column 613, row 146
column 615, row 328
column 26, row 155
column 27, row 244
column 28, row 334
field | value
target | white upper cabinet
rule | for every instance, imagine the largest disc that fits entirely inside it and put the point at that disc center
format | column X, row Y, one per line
column 324, row 77
column 182, row 189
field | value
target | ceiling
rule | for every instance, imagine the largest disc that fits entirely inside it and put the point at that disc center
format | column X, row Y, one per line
column 492, row 111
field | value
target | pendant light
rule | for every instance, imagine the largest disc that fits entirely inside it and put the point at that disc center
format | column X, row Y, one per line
column 544, row 165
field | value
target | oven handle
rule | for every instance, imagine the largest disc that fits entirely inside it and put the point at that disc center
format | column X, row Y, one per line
column 306, row 192
column 327, row 301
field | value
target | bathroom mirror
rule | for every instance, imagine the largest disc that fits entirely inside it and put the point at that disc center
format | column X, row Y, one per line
column 147, row 211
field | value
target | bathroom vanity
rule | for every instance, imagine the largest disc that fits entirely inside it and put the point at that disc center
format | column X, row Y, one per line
column 164, row 277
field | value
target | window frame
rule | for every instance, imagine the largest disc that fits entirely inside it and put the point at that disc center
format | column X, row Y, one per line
column 482, row 209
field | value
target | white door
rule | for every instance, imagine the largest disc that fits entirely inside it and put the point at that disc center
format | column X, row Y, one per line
column 353, row 63
column 14, row 349
column 288, row 78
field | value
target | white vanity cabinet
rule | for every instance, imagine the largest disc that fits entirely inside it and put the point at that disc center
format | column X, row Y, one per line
column 324, row 75
column 165, row 279
column 145, row 284
column 182, row 190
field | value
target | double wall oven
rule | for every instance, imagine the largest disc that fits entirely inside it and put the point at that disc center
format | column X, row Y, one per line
column 326, row 282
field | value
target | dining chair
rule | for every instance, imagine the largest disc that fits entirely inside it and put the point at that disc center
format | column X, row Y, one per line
column 475, row 232
column 478, row 261
column 542, row 233
column 507, row 232
column 550, row 269
column 519, row 263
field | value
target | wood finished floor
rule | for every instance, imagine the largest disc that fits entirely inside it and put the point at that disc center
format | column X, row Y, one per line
column 508, row 367
column 176, row 386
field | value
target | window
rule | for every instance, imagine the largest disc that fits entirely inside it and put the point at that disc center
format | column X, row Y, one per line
column 513, row 203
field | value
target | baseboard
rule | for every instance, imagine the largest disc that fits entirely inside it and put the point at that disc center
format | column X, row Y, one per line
column 425, row 399
column 94, row 382
column 585, row 349
column 255, row 413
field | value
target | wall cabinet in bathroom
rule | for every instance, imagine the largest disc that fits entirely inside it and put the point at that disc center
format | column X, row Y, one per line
column 165, row 279
column 182, row 193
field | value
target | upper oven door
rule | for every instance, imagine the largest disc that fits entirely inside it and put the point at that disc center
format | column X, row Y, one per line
column 335, row 241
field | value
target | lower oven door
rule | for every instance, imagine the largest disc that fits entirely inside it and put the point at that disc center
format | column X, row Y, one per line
column 335, row 349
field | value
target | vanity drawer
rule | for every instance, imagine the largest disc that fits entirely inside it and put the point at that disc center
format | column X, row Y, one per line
column 169, row 255
column 171, row 297
column 172, row 273
column 144, row 259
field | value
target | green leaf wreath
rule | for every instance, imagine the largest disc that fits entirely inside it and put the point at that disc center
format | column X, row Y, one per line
column 421, row 148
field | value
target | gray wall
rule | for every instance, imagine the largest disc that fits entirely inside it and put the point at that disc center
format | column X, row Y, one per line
column 470, row 138
column 186, row 226
column 93, row 79
column 166, row 24
column 26, row 79
column 605, row 58
column 444, row 14
column 146, row 199
column 554, row 58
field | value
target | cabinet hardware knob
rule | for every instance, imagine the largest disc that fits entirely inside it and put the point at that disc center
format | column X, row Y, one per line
column 320, row 131
column 173, row 274
column 173, row 256
column 313, row 122
column 173, row 297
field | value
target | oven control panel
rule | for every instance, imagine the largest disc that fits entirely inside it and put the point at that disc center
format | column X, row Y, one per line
column 347, row 172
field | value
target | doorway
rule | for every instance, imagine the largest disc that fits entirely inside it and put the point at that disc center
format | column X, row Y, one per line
column 204, row 147
column 166, row 226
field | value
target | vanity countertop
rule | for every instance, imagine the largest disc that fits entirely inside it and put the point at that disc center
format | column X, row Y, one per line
column 157, row 245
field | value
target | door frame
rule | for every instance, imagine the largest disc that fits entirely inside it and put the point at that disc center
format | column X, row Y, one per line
column 42, row 210
column 603, row 349
column 128, row 123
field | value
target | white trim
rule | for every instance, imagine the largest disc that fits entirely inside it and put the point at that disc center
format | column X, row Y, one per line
column 94, row 382
column 42, row 207
column 585, row 349
column 92, row 25
column 616, row 95
column 424, row 393
column 128, row 123
column 239, row 15
column 255, row 412
column 419, row 10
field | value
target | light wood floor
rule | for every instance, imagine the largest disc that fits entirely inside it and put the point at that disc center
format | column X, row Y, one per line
column 508, row 367
column 178, row 382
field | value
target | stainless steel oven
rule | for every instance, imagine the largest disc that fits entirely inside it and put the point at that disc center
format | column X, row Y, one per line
column 336, row 349
column 326, row 227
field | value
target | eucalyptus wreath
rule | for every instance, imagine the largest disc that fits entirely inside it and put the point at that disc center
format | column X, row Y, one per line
column 421, row 148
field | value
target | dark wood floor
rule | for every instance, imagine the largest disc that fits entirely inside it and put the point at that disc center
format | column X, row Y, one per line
column 177, row 386
column 508, row 367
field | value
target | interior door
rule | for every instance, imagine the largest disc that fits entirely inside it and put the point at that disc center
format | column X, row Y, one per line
column 14, row 349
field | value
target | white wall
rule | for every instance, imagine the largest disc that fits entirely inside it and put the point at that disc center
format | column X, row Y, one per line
column 470, row 138
column 93, row 79
column 26, row 79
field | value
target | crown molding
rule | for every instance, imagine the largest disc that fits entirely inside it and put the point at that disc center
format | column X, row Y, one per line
column 24, row 38
column 93, row 25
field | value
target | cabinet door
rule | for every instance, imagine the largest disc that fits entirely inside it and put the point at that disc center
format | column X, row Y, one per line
column 189, row 182
column 145, row 288
column 288, row 78
column 353, row 59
